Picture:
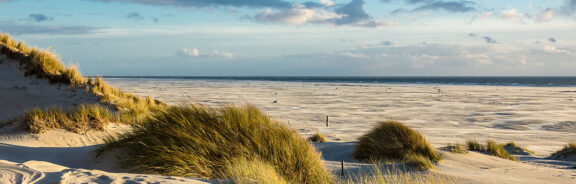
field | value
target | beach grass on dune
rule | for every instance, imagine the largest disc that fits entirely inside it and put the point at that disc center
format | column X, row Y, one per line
column 498, row 150
column 317, row 137
column 244, row 171
column 517, row 149
column 199, row 141
column 45, row 64
column 392, row 140
column 474, row 145
column 568, row 150
column 456, row 148
column 380, row 174
column 83, row 118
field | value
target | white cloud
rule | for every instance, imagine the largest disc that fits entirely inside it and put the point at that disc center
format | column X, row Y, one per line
column 511, row 14
column 297, row 15
column 194, row 52
column 554, row 50
column 546, row 15
column 327, row 2
column 353, row 54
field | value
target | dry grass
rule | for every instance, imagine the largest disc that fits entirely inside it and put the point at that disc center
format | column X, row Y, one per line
column 499, row 151
column 243, row 171
column 392, row 140
column 80, row 119
column 516, row 149
column 456, row 148
column 474, row 145
column 568, row 151
column 198, row 141
column 45, row 64
column 317, row 137
column 380, row 174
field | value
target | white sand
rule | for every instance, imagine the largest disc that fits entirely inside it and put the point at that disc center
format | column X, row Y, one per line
column 55, row 156
column 543, row 119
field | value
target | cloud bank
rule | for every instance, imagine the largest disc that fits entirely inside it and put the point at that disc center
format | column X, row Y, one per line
column 195, row 53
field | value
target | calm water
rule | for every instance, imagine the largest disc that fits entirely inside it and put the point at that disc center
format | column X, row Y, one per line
column 499, row 81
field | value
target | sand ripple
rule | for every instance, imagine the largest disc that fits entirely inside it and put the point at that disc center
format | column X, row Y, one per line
column 17, row 173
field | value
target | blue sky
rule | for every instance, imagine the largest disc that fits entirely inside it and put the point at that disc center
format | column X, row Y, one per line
column 301, row 37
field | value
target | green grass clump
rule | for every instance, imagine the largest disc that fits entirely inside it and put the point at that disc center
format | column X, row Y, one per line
column 474, row 145
column 568, row 151
column 498, row 150
column 198, row 141
column 392, row 140
column 456, row 148
column 317, row 137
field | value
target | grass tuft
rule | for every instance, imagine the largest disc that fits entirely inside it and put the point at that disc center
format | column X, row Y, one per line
column 380, row 174
column 317, row 137
column 199, row 141
column 498, row 150
column 81, row 119
column 568, row 151
column 516, row 149
column 474, row 145
column 244, row 171
column 456, row 148
column 392, row 140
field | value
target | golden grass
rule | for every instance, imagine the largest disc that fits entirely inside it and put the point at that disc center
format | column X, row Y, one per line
column 569, row 150
column 474, row 145
column 198, row 141
column 456, row 148
column 392, row 140
column 499, row 151
column 317, row 137
column 244, row 171
column 83, row 118
column 516, row 149
column 45, row 64
column 379, row 174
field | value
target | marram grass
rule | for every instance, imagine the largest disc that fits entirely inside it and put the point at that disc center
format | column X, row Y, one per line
column 392, row 140
column 45, row 64
column 199, row 141
column 379, row 174
column 569, row 150
column 317, row 137
column 498, row 150
column 80, row 119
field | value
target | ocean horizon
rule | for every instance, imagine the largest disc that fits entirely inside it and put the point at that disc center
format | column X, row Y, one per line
column 543, row 81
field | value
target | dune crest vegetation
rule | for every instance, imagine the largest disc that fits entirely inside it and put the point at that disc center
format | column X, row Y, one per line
column 115, row 105
column 200, row 141
column 569, row 150
column 492, row 148
column 392, row 140
column 317, row 137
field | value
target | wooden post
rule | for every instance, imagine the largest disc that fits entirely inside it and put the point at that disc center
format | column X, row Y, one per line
column 326, row 121
column 342, row 169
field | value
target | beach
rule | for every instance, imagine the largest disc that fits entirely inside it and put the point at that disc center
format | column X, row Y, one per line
column 539, row 118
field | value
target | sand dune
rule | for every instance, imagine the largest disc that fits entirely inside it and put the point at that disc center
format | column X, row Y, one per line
column 55, row 156
column 19, row 94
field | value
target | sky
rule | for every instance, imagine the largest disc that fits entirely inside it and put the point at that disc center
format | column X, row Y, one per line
column 301, row 37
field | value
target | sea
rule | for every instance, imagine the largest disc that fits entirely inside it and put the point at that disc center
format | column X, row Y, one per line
column 489, row 81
